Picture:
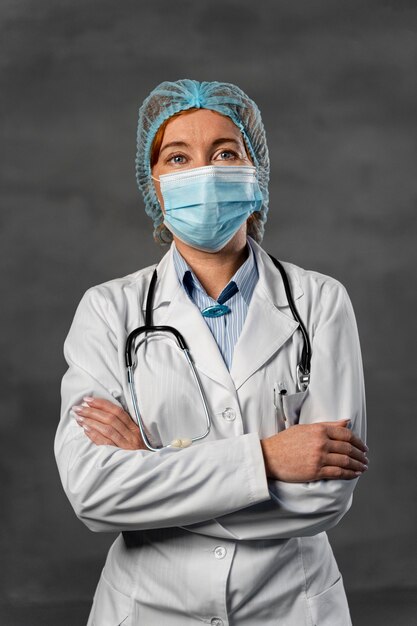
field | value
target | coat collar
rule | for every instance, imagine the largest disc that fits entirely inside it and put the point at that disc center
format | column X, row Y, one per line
column 265, row 330
column 266, row 327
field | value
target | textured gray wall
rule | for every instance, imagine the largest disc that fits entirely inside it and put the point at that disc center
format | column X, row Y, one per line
column 336, row 83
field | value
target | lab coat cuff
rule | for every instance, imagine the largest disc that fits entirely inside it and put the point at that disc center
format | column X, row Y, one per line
column 255, row 466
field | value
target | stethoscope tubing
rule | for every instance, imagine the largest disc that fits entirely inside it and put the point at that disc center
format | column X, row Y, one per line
column 303, row 368
column 305, row 363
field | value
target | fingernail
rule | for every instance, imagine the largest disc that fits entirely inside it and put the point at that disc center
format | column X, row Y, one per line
column 358, row 473
column 88, row 399
column 77, row 409
column 85, row 427
column 79, row 419
column 366, row 448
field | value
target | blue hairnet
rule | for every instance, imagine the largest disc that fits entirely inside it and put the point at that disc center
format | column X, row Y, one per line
column 169, row 98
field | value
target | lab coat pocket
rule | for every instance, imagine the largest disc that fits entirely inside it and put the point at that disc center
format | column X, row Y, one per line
column 288, row 406
column 330, row 607
column 291, row 406
column 110, row 607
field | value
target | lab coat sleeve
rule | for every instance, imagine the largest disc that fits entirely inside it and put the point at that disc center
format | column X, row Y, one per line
column 336, row 392
column 112, row 489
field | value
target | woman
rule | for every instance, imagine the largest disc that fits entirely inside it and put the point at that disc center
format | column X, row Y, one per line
column 230, row 529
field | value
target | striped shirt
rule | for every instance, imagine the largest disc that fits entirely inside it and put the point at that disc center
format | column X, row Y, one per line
column 225, row 329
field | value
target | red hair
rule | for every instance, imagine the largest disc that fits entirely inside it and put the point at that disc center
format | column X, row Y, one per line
column 159, row 135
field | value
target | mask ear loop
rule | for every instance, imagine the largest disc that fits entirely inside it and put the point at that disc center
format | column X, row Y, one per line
column 162, row 224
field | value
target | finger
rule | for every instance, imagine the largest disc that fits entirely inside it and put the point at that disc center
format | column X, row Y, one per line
column 105, row 430
column 344, row 447
column 111, row 414
column 109, row 407
column 344, row 434
column 331, row 472
column 344, row 461
column 97, row 438
column 103, row 417
column 97, row 414
column 132, row 441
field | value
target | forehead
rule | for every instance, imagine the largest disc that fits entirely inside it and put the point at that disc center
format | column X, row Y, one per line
column 201, row 125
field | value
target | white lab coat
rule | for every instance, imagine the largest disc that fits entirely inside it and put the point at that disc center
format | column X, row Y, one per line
column 216, row 542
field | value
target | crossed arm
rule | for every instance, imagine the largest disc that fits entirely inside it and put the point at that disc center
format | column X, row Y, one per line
column 301, row 453
column 123, row 486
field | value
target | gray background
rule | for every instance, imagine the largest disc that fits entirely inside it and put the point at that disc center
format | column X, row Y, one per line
column 336, row 84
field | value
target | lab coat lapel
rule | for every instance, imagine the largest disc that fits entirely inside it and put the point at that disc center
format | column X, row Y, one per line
column 182, row 314
column 266, row 327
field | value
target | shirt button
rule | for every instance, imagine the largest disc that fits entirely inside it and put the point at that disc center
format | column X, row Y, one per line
column 229, row 414
column 216, row 621
column 220, row 552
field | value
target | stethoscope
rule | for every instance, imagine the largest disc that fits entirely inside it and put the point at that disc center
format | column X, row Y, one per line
column 303, row 367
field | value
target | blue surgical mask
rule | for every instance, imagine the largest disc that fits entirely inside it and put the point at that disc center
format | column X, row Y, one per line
column 205, row 206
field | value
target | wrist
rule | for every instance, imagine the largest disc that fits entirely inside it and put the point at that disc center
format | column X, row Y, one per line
column 265, row 446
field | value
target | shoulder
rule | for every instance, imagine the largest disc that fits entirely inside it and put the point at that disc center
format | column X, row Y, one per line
column 318, row 287
column 116, row 301
column 319, row 299
column 325, row 301
column 117, row 288
column 312, row 287
column 313, row 282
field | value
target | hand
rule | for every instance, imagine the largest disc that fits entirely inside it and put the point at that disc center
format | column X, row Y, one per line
column 308, row 452
column 106, row 423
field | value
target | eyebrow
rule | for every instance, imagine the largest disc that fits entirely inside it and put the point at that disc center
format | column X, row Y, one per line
column 175, row 144
column 221, row 140
column 216, row 142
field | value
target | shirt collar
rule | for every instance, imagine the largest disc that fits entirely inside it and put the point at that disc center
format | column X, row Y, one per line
column 245, row 278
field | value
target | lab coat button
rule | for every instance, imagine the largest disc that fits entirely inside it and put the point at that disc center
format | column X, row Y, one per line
column 216, row 621
column 220, row 552
column 229, row 414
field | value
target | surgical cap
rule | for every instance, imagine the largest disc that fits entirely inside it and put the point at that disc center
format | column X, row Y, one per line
column 169, row 98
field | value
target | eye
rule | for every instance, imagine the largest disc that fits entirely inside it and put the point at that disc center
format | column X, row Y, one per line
column 176, row 159
column 227, row 155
